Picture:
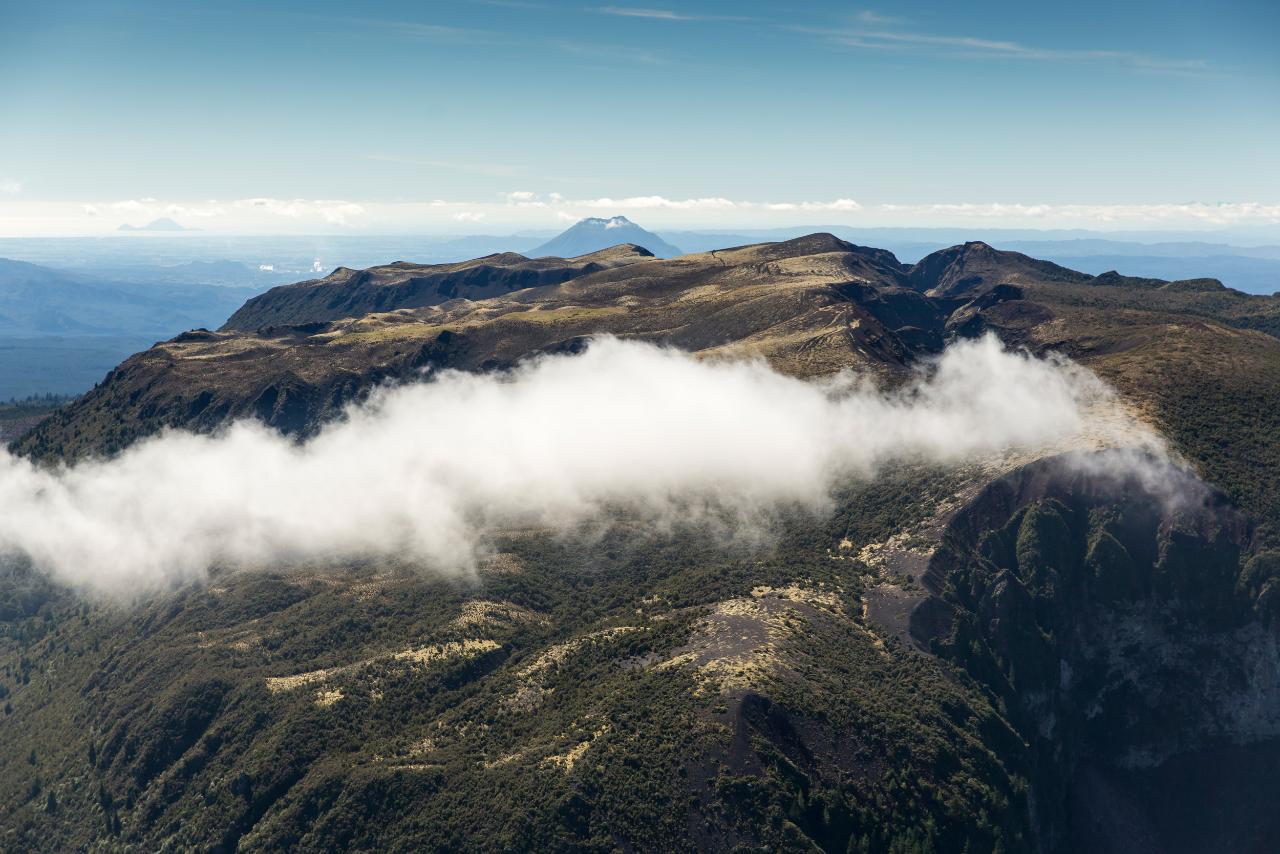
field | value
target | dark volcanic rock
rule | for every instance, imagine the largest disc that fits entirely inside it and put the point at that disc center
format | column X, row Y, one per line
column 974, row 268
column 1099, row 597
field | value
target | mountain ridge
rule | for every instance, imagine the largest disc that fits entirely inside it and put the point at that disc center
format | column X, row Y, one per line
column 748, row 308
column 346, row 292
column 38, row 300
column 992, row 657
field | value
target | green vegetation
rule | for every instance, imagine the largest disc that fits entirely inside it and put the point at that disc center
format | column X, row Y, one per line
column 19, row 415
column 1104, row 626
column 158, row 724
column 631, row 689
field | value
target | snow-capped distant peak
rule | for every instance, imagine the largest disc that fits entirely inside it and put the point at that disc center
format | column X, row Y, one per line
column 595, row 233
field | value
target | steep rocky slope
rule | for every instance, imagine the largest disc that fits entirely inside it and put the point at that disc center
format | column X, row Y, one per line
column 1102, row 606
column 974, row 268
column 1026, row 653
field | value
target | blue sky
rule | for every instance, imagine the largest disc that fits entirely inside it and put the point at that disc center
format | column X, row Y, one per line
column 303, row 116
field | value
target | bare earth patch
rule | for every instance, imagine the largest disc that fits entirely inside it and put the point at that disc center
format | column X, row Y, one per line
column 532, row 686
column 423, row 656
column 483, row 612
column 742, row 643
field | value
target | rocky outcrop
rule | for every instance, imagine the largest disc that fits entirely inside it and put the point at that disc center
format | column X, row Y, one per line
column 971, row 269
column 1103, row 599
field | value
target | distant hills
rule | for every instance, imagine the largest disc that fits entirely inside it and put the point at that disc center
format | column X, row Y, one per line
column 62, row 331
column 164, row 223
column 594, row 233
column 1254, row 269
column 272, row 260
column 36, row 300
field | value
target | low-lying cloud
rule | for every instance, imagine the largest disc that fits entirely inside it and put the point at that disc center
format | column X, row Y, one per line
column 432, row 469
column 526, row 208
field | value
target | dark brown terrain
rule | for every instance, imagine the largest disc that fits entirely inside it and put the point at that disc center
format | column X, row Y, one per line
column 1015, row 655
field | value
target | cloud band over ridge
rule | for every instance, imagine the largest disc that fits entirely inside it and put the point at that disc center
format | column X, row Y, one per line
column 432, row 469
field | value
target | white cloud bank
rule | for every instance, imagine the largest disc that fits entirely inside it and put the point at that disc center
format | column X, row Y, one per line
column 528, row 209
column 430, row 469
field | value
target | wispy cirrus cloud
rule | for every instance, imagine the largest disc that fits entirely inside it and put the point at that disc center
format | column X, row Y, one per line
column 10, row 187
column 635, row 12
column 870, row 16
column 615, row 53
column 664, row 14
column 887, row 38
column 418, row 29
column 509, row 4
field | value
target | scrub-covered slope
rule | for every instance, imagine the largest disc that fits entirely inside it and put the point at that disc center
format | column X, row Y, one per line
column 1060, row 649
column 349, row 293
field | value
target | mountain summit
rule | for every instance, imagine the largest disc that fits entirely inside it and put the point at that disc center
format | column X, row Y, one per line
column 595, row 233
